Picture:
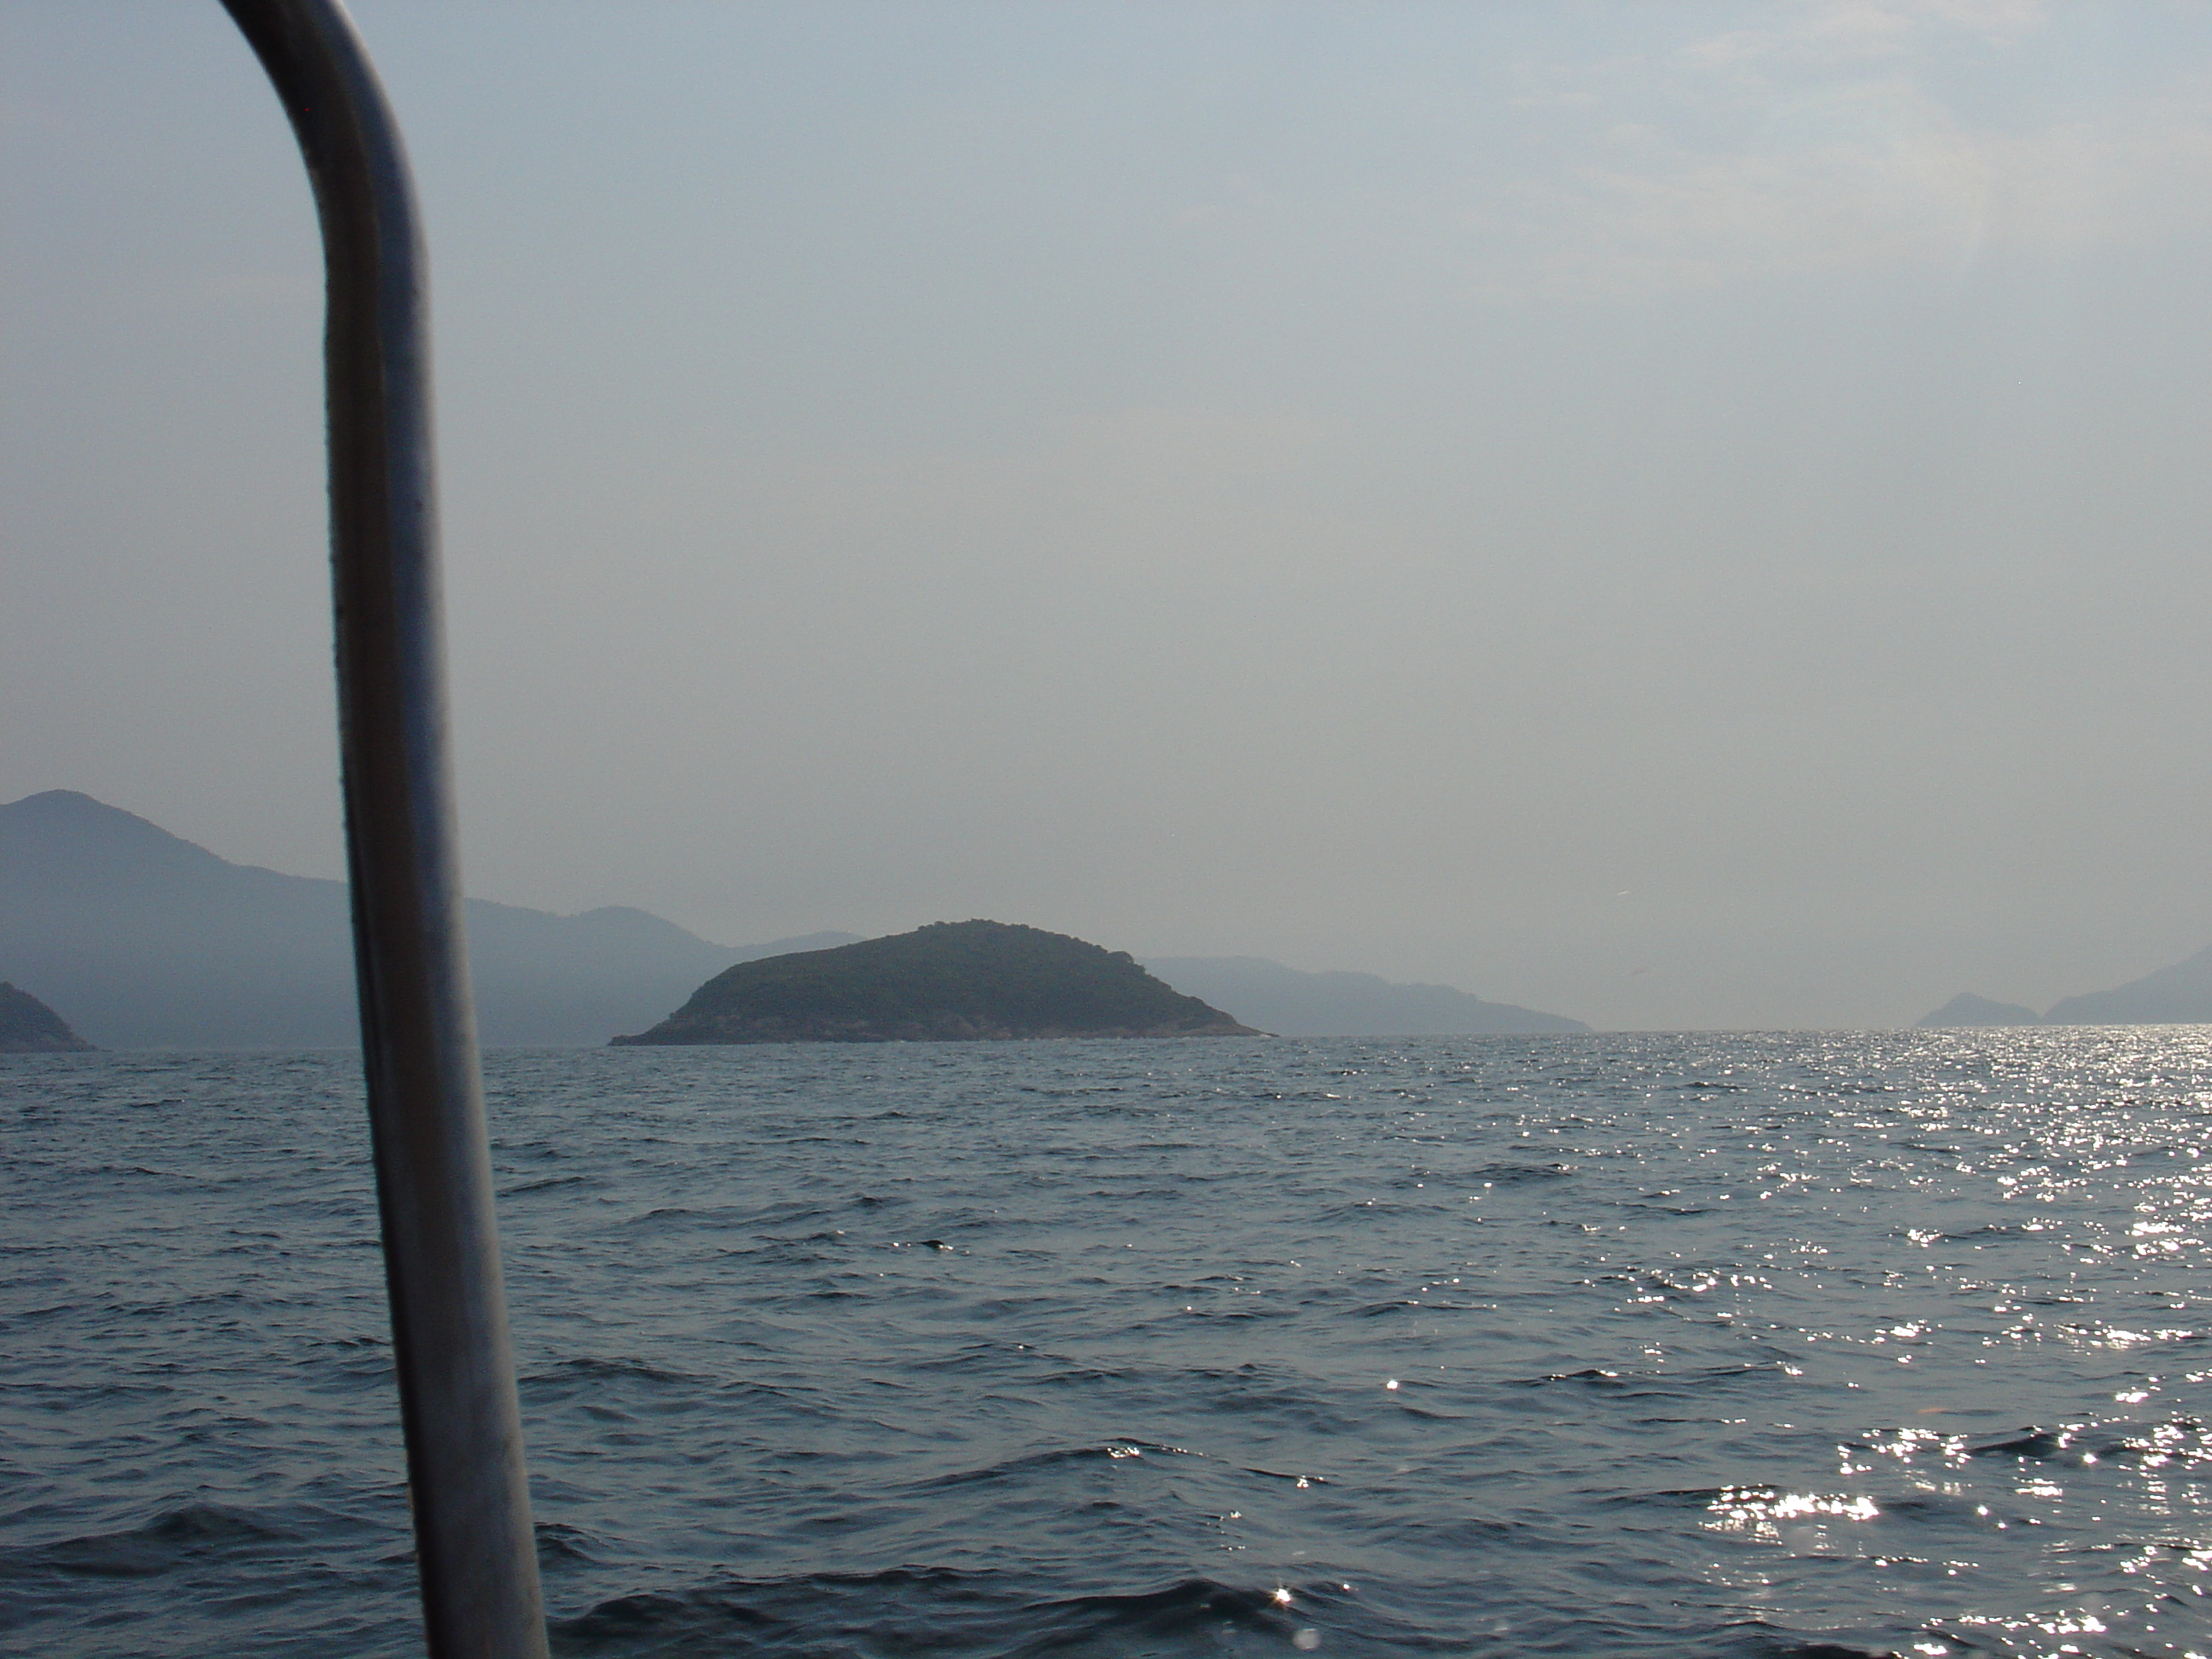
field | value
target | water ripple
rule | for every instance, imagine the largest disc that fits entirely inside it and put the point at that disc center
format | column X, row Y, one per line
column 1808, row 1345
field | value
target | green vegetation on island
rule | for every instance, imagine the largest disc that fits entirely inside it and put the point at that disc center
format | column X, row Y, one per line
column 950, row 981
column 27, row 1026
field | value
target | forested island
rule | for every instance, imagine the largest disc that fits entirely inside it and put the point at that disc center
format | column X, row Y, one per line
column 951, row 982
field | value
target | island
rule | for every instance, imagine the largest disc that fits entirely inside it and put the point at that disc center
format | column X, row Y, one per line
column 1293, row 1002
column 2180, row 996
column 27, row 1026
column 951, row 982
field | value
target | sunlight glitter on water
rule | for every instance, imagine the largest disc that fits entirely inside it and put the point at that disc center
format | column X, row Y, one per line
column 1774, row 1517
column 1133, row 1382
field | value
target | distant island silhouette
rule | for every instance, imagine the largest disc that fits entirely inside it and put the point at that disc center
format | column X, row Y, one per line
column 1294, row 1002
column 149, row 941
column 951, row 982
column 2178, row 995
column 27, row 1026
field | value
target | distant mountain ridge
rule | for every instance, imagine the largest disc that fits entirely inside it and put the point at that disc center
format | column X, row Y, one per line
column 141, row 939
column 1292, row 1002
column 138, row 938
column 2178, row 995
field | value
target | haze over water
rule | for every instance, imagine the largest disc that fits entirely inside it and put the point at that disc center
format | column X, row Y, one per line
column 1684, row 515
column 1613, row 1345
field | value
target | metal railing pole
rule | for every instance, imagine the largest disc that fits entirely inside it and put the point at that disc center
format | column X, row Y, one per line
column 474, row 1545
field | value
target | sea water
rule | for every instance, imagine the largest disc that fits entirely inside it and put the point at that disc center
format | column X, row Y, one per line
column 1811, row 1344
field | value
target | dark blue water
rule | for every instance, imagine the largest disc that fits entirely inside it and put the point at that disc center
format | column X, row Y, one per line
column 1702, row 1345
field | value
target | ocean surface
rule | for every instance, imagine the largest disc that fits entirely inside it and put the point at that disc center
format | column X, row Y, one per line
column 1803, row 1344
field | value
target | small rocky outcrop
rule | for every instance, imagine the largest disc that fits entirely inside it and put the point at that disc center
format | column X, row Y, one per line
column 963, row 982
column 27, row 1026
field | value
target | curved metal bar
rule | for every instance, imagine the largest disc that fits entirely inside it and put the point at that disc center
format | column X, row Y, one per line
column 474, row 1545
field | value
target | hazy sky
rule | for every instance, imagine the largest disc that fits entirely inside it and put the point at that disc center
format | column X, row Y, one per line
column 1680, row 515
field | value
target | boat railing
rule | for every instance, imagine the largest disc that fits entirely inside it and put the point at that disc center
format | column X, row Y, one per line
column 475, row 1549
